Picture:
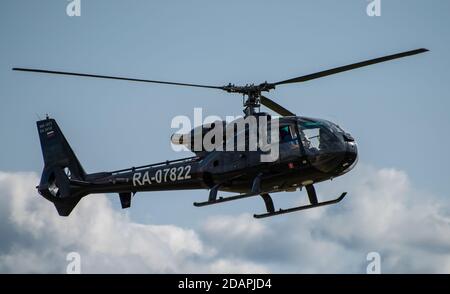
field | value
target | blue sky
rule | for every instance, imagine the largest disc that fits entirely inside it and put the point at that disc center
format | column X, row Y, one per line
column 397, row 111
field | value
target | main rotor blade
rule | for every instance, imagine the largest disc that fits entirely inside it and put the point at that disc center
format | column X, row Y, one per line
column 114, row 78
column 350, row 67
column 269, row 103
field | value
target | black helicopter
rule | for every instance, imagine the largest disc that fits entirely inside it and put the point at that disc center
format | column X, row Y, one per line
column 310, row 151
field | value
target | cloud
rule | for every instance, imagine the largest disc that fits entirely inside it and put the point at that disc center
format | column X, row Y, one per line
column 36, row 240
column 383, row 213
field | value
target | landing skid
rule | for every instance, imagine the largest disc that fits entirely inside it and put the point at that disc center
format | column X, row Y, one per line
column 212, row 199
column 223, row 199
column 311, row 191
column 288, row 210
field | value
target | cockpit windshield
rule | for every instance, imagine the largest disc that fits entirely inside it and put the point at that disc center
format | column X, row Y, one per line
column 320, row 135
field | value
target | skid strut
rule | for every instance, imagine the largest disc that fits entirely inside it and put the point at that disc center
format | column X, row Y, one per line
column 268, row 202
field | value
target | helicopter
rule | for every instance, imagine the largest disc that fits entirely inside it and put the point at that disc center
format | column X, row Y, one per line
column 310, row 151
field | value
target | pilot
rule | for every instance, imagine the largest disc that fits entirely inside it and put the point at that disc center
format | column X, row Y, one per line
column 306, row 142
column 285, row 134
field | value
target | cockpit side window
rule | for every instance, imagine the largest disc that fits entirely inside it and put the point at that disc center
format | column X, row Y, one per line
column 311, row 139
column 287, row 134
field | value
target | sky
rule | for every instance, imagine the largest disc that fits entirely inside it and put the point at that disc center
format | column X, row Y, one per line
column 398, row 203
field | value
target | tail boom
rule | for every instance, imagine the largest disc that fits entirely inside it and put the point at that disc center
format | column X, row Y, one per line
column 64, row 181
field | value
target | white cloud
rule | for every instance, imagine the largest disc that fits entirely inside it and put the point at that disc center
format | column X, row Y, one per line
column 36, row 239
column 383, row 213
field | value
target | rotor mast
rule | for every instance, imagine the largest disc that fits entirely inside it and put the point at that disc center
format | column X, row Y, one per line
column 252, row 103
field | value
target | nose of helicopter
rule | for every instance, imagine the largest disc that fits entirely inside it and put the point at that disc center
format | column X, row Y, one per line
column 351, row 156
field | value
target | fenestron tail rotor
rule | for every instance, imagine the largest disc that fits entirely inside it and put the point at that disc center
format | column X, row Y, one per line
column 252, row 92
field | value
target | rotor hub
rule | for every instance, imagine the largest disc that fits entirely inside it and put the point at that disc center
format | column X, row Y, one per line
column 251, row 95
